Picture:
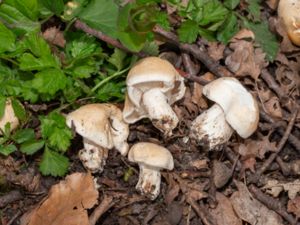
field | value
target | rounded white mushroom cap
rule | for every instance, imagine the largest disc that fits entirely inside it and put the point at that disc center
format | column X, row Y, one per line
column 150, row 73
column 9, row 116
column 289, row 12
column 239, row 106
column 101, row 124
column 151, row 155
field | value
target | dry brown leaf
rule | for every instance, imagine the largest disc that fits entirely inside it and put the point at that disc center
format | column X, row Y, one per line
column 294, row 206
column 66, row 203
column 251, row 210
column 273, row 107
column 272, row 4
column 249, row 164
column 275, row 187
column 54, row 36
column 221, row 173
column 197, row 97
column 224, row 213
column 215, row 50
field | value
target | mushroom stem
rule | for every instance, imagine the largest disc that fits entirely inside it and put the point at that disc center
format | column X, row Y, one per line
column 160, row 112
column 119, row 133
column 210, row 128
column 93, row 157
column 149, row 181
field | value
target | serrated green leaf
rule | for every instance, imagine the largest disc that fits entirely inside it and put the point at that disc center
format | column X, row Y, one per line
column 151, row 48
column 188, row 31
column 117, row 59
column 37, row 45
column 228, row 29
column 60, row 138
column 264, row 38
column 7, row 149
column 213, row 11
column 2, row 106
column 254, row 9
column 23, row 135
column 18, row 109
column 53, row 163
column 28, row 62
column 231, row 4
column 101, row 15
column 29, row 8
column 7, row 39
column 55, row 6
column 49, row 81
column 111, row 91
column 31, row 147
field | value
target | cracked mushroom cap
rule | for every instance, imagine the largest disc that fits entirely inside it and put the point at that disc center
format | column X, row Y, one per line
column 95, row 122
column 239, row 106
column 9, row 116
column 146, row 74
column 152, row 155
column 289, row 12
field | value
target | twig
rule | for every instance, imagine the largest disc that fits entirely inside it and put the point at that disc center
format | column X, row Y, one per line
column 200, row 210
column 268, row 78
column 272, row 203
column 189, row 66
column 106, row 203
column 98, row 34
column 10, row 197
column 14, row 218
column 198, row 52
column 283, row 140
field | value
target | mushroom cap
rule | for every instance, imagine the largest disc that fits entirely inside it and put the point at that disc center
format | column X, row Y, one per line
column 148, row 73
column 240, row 107
column 152, row 155
column 92, row 122
column 289, row 12
column 9, row 116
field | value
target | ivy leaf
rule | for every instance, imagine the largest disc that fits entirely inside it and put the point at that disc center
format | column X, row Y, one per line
column 18, row 109
column 7, row 149
column 7, row 39
column 23, row 135
column 49, row 81
column 53, row 163
column 101, row 15
column 31, row 147
column 264, row 38
column 188, row 31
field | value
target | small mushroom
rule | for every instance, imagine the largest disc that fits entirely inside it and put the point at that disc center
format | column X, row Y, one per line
column 289, row 12
column 153, row 85
column 10, row 117
column 102, row 128
column 235, row 109
column 151, row 159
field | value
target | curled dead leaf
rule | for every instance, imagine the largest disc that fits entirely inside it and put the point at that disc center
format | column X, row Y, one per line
column 66, row 203
column 54, row 36
column 275, row 187
column 294, row 206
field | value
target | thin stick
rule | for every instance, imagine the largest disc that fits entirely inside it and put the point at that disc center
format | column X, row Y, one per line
column 199, row 209
column 106, row 204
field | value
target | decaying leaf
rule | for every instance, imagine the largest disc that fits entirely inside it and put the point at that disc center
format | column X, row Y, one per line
column 215, row 50
column 55, row 36
column 224, row 213
column 66, row 203
column 251, row 210
column 245, row 60
column 275, row 187
column 294, row 206
column 221, row 173
column 273, row 107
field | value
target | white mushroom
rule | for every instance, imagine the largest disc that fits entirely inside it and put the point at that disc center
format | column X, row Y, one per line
column 102, row 128
column 235, row 109
column 9, row 116
column 289, row 12
column 153, row 85
column 151, row 159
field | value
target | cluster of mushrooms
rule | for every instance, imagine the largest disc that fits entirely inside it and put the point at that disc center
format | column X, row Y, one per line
column 153, row 85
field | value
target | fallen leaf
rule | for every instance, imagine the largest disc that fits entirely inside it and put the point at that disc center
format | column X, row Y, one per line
column 221, row 174
column 67, row 203
column 224, row 213
column 245, row 59
column 54, row 36
column 275, row 187
column 272, row 4
column 249, row 164
column 251, row 210
column 273, row 107
column 215, row 50
column 294, row 206
column 197, row 96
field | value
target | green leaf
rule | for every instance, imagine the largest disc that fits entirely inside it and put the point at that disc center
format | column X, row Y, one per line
column 18, row 109
column 37, row 45
column 29, row 8
column 7, row 39
column 2, row 106
column 132, row 40
column 55, row 6
column 264, row 38
column 111, row 91
column 231, row 4
column 7, row 149
column 101, row 15
column 53, row 163
column 117, row 59
column 28, row 62
column 16, row 20
column 188, row 31
column 213, row 11
column 254, row 9
column 31, row 147
column 60, row 138
column 151, row 48
column 228, row 29
column 49, row 81
column 23, row 135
